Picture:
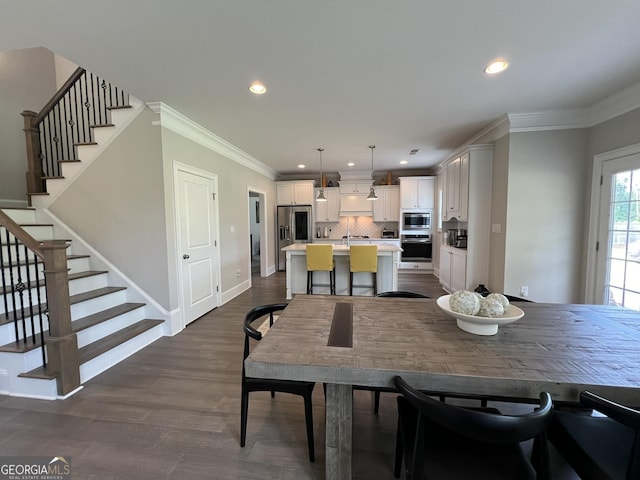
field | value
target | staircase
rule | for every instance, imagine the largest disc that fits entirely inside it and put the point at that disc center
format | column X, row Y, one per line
column 107, row 319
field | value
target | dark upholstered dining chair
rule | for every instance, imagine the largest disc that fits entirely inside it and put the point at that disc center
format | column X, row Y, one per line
column 446, row 441
column 266, row 313
column 599, row 447
column 401, row 294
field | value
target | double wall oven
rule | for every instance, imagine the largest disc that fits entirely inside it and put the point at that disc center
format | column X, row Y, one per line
column 415, row 238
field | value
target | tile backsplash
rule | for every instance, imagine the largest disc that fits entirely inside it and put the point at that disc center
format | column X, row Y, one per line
column 356, row 226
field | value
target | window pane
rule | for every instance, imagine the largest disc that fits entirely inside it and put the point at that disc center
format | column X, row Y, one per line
column 615, row 296
column 632, row 281
column 632, row 300
column 616, row 273
column 622, row 184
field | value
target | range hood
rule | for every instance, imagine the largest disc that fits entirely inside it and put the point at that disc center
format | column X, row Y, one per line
column 355, row 204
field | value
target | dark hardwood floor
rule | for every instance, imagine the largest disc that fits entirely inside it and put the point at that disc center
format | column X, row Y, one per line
column 171, row 411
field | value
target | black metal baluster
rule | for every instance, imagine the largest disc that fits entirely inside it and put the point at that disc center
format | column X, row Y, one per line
column 3, row 271
column 20, row 288
column 76, row 116
column 85, row 107
column 40, row 312
column 99, row 101
column 11, row 280
column 29, row 294
column 57, row 133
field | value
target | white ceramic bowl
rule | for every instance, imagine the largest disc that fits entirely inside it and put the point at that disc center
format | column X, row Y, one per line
column 479, row 325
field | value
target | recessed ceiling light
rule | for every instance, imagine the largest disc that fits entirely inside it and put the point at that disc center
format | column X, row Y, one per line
column 302, row 166
column 497, row 66
column 257, row 88
column 403, row 162
column 350, row 164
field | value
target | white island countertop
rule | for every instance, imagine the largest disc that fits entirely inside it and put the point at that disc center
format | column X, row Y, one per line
column 386, row 279
column 338, row 249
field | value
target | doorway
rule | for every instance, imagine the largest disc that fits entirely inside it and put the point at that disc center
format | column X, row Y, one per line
column 198, row 256
column 257, row 232
column 617, row 257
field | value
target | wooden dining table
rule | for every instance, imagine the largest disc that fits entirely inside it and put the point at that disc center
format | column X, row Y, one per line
column 557, row 348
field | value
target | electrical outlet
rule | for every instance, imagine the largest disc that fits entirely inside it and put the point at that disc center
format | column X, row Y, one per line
column 524, row 291
column 238, row 273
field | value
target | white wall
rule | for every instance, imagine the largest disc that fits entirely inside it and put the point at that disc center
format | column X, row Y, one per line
column 233, row 183
column 27, row 82
column 118, row 206
column 547, row 178
column 499, row 190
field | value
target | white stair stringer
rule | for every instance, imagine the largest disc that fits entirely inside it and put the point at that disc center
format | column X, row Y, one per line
column 120, row 118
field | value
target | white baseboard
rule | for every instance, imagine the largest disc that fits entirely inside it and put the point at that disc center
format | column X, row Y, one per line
column 235, row 291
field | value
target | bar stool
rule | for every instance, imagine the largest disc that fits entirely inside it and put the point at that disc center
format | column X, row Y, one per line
column 320, row 259
column 363, row 258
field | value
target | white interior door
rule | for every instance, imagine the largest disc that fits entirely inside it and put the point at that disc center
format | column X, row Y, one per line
column 198, row 243
column 618, row 260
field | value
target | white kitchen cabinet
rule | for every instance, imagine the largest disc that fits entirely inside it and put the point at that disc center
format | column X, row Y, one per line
column 349, row 188
column 453, row 268
column 299, row 192
column 328, row 211
column 456, row 189
column 417, row 192
column 476, row 166
column 387, row 207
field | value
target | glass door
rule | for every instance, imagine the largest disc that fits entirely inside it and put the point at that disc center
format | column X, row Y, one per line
column 619, row 264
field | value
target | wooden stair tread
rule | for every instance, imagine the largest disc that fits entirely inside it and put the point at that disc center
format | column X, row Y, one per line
column 36, row 194
column 102, row 125
column 80, row 144
column 58, row 177
column 85, row 274
column 118, row 107
column 105, row 344
column 101, row 346
column 77, row 326
column 70, row 160
column 91, row 294
column 104, row 315
column 73, row 299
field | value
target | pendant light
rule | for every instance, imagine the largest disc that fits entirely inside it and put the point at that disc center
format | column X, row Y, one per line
column 372, row 191
column 321, row 197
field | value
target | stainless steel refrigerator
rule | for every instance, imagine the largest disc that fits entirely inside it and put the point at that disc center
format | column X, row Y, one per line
column 294, row 226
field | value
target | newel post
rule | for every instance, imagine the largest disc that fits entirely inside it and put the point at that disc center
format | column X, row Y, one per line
column 35, row 183
column 62, row 346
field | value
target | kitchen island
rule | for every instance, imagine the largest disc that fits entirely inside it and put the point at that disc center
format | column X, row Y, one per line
column 296, row 268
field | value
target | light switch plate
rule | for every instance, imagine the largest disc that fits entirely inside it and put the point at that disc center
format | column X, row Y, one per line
column 496, row 228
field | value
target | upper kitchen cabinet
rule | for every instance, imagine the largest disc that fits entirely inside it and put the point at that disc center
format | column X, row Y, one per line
column 387, row 207
column 452, row 200
column 417, row 192
column 355, row 188
column 328, row 211
column 299, row 192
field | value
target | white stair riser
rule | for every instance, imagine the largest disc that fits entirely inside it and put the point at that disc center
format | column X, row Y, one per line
column 102, row 134
column 39, row 232
column 9, row 252
column 19, row 302
column 95, row 305
column 116, row 355
column 11, row 365
column 8, row 331
column 86, row 152
column 20, row 215
column 103, row 329
column 77, row 265
column 84, row 284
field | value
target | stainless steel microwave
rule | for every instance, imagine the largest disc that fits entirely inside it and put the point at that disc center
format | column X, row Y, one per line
column 416, row 221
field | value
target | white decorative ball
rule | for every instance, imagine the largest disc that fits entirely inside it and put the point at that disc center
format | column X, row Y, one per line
column 490, row 307
column 465, row 302
column 504, row 301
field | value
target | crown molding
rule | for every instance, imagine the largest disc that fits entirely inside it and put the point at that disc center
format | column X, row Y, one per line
column 613, row 106
column 182, row 125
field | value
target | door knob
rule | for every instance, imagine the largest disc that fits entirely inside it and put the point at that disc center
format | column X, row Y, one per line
column 185, row 256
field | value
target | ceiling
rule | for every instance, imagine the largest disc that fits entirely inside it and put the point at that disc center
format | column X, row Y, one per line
column 342, row 75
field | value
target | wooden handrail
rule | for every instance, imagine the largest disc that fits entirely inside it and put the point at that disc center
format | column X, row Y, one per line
column 18, row 232
column 59, row 94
